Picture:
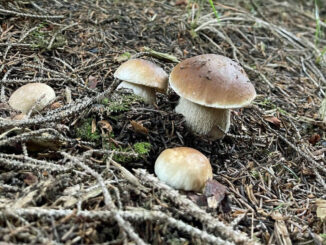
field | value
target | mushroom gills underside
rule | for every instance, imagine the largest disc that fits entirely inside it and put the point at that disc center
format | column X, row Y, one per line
column 206, row 121
column 147, row 93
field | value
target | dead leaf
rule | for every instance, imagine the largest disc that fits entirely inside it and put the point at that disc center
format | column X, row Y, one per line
column 138, row 127
column 214, row 188
column 200, row 200
column 214, row 192
column 105, row 125
column 93, row 126
column 56, row 105
column 181, row 2
column 19, row 117
column 30, row 178
column 92, row 82
column 321, row 209
column 314, row 139
column 273, row 120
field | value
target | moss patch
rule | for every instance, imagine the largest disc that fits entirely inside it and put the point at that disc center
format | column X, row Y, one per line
column 40, row 38
column 141, row 148
column 121, row 103
column 85, row 131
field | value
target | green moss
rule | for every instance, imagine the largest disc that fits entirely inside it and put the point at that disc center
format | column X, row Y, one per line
column 267, row 103
column 123, row 57
column 85, row 131
column 254, row 173
column 40, row 38
column 323, row 236
column 121, row 158
column 105, row 101
column 142, row 148
column 122, row 103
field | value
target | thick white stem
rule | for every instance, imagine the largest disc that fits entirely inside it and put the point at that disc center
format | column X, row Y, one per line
column 147, row 93
column 207, row 121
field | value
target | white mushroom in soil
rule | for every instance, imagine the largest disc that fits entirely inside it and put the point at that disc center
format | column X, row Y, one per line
column 143, row 77
column 183, row 168
column 209, row 85
column 31, row 95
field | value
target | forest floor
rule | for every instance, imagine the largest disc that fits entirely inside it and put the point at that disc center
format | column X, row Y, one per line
column 80, row 171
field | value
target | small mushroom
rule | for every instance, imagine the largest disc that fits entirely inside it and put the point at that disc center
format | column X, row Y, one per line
column 37, row 95
column 209, row 85
column 183, row 168
column 143, row 77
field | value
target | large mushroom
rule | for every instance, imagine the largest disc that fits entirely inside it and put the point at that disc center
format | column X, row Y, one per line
column 209, row 85
column 143, row 77
column 183, row 168
column 31, row 96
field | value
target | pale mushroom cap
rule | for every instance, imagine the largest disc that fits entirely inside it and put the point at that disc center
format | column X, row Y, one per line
column 212, row 80
column 142, row 72
column 25, row 97
column 183, row 168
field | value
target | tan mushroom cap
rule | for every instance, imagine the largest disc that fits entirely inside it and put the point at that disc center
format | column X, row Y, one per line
column 212, row 80
column 183, row 168
column 25, row 97
column 142, row 72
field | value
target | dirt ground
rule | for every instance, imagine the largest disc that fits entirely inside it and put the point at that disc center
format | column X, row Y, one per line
column 80, row 171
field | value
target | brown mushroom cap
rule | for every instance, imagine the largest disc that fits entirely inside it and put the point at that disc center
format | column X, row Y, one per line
column 183, row 168
column 25, row 97
column 142, row 72
column 212, row 80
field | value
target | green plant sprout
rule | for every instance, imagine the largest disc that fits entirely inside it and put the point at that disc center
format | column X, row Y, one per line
column 321, row 56
column 214, row 10
column 318, row 28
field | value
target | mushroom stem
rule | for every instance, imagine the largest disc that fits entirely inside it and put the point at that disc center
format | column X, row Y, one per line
column 205, row 120
column 147, row 93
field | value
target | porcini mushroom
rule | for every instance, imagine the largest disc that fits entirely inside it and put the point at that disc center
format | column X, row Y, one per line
column 183, row 168
column 209, row 85
column 143, row 77
column 31, row 95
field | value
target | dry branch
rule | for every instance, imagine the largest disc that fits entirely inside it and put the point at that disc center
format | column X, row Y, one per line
column 31, row 15
column 108, row 200
column 134, row 215
column 227, row 232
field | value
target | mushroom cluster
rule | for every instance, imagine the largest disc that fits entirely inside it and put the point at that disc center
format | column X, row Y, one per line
column 209, row 86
